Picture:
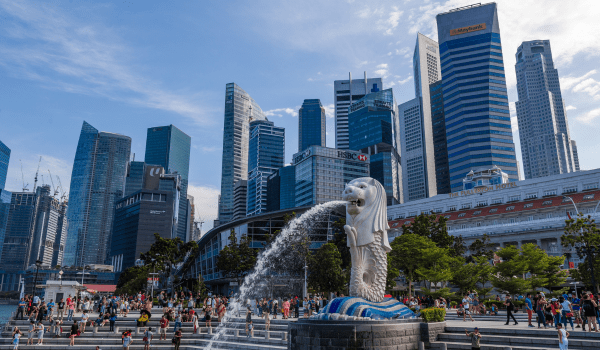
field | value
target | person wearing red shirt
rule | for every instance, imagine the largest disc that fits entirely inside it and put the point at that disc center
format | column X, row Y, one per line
column 164, row 324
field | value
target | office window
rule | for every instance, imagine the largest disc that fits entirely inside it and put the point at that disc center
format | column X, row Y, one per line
column 514, row 198
column 482, row 204
column 465, row 206
column 549, row 193
column 588, row 196
column 591, row 186
column 462, row 215
column 452, row 208
column 531, row 196
column 512, row 207
column 528, row 205
column 497, row 201
column 547, row 203
column 493, row 210
column 570, row 189
column 477, row 212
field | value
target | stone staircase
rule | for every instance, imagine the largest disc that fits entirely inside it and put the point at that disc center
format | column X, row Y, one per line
column 494, row 338
column 234, row 336
column 519, row 316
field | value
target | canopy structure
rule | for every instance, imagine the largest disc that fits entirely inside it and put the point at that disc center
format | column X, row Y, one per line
column 100, row 288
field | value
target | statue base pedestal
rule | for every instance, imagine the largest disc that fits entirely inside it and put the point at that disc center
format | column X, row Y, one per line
column 359, row 309
column 307, row 334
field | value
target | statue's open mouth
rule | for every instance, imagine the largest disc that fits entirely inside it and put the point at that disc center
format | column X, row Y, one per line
column 357, row 202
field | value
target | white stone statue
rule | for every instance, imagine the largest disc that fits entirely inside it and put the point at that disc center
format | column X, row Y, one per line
column 366, row 227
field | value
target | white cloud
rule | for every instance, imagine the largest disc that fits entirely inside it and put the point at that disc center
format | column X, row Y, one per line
column 589, row 117
column 392, row 21
column 514, row 122
column 329, row 110
column 403, row 51
column 584, row 83
column 404, row 81
column 570, row 108
column 210, row 149
column 58, row 167
column 82, row 57
column 206, row 202
column 280, row 111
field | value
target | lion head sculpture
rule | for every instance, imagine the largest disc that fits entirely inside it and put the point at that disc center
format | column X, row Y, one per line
column 366, row 210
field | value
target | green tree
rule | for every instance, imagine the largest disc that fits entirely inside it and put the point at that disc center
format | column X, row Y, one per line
column 484, row 274
column 482, row 247
column 236, row 260
column 582, row 235
column 545, row 270
column 510, row 272
column 434, row 227
column 325, row 271
column 465, row 276
column 132, row 280
column 407, row 255
column 174, row 250
column 392, row 274
column 437, row 266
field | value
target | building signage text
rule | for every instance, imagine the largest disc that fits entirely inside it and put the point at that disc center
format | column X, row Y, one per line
column 357, row 106
column 383, row 104
column 302, row 156
column 468, row 29
column 483, row 189
column 351, row 156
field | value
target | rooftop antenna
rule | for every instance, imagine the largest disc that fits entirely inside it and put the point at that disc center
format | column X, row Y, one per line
column 23, row 178
column 36, row 175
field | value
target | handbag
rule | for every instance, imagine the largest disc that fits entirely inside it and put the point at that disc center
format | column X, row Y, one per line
column 569, row 314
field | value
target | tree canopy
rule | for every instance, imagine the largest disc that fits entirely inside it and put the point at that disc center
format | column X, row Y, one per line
column 236, row 260
column 325, row 265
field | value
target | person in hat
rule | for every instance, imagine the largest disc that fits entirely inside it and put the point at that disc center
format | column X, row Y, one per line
column 475, row 338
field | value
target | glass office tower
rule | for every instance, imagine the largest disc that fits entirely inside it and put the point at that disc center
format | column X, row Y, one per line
column 4, row 159
column 265, row 155
column 240, row 109
column 311, row 124
column 476, row 109
column 169, row 147
column 97, row 182
column 374, row 129
column 440, row 147
column 4, row 210
column 546, row 144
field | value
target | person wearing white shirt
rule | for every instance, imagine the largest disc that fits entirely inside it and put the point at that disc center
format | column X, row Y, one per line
column 466, row 305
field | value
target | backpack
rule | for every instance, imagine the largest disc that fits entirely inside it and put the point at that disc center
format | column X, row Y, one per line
column 587, row 308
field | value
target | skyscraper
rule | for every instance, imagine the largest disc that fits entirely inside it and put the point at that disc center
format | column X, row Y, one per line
column 240, row 109
column 476, row 109
column 311, row 124
column 546, row 145
column 135, row 177
column 61, row 235
column 45, row 230
column 344, row 93
column 97, row 182
column 169, row 147
column 416, row 124
column 374, row 129
column 266, row 153
column 240, row 199
column 4, row 211
column 4, row 159
column 440, row 147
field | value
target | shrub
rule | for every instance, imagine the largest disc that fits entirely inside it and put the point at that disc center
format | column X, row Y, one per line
column 453, row 304
column 433, row 314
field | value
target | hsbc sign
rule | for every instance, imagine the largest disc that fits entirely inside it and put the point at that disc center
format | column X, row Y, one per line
column 352, row 156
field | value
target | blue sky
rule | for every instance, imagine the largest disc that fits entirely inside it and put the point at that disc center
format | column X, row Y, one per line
column 128, row 65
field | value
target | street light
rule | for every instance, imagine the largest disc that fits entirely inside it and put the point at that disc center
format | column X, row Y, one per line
column 575, row 283
column 38, row 263
column 589, row 251
column 60, row 273
column 83, row 272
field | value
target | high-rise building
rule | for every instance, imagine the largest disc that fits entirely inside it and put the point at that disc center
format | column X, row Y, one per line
column 4, row 159
column 440, row 147
column 46, row 227
column 61, row 234
column 344, row 93
column 416, row 124
column 281, row 189
column 546, row 145
column 476, row 109
column 273, row 192
column 169, row 147
column 322, row 173
column 135, row 177
column 97, row 182
column 373, row 128
column 138, row 216
column 240, row 199
column 266, row 153
column 311, row 124
column 240, row 109
column 4, row 211
column 191, row 217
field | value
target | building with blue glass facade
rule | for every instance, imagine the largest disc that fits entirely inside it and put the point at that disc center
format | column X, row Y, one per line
column 240, row 109
column 97, row 182
column 322, row 173
column 478, row 128
column 4, row 159
column 266, row 151
column 311, row 124
column 4, row 210
column 440, row 147
column 138, row 216
column 374, row 129
column 281, row 189
column 169, row 147
column 135, row 177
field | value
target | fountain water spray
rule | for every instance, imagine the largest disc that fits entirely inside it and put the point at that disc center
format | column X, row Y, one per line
column 295, row 226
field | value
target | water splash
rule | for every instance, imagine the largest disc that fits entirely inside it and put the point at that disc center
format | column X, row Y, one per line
column 297, row 227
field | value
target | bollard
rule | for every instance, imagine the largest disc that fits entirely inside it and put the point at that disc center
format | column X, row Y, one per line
column 267, row 335
column 96, row 330
column 116, row 330
column 507, row 348
column 284, row 336
column 444, row 346
column 237, row 333
column 421, row 345
column 210, row 330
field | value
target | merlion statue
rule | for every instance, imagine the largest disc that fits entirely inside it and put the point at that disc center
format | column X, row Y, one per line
column 366, row 227
column 366, row 219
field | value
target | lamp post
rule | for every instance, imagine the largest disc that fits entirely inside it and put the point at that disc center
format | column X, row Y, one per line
column 60, row 273
column 38, row 263
column 305, row 279
column 589, row 251
column 575, row 283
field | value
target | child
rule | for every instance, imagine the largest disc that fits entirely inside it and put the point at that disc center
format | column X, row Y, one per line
column 40, row 329
column 16, row 336
column 57, row 328
column 30, row 332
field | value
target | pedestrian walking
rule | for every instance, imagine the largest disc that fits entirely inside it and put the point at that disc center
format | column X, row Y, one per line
column 148, row 336
column 589, row 311
column 250, row 330
column 177, row 339
column 566, row 312
column 164, row 324
column 563, row 342
column 248, row 317
column 40, row 330
column 30, row 332
column 74, row 333
column 475, row 338
column 61, row 309
column 466, row 305
column 529, row 309
column 510, row 307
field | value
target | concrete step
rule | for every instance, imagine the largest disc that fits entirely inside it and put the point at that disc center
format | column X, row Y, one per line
column 519, row 341
column 467, row 346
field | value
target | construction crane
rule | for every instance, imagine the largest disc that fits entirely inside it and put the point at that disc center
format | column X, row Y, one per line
column 63, row 196
column 52, row 181
column 23, row 177
column 36, row 175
